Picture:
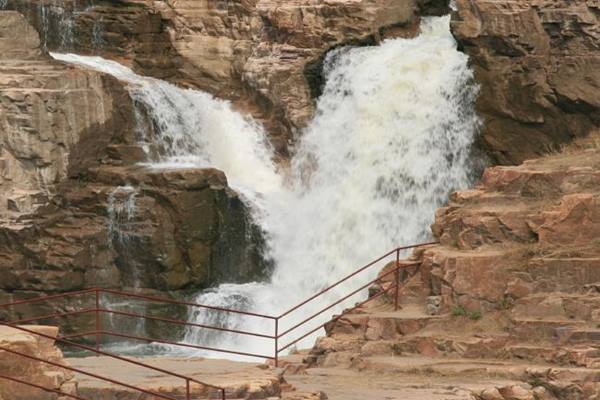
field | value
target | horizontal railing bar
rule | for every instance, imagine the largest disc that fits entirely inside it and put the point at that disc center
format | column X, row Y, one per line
column 77, row 335
column 179, row 322
column 110, row 355
column 335, row 319
column 183, row 303
column 45, row 298
column 79, row 371
column 55, row 391
column 352, row 275
column 337, row 302
column 191, row 346
column 52, row 316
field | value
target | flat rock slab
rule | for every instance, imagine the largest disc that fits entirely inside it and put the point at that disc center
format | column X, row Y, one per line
column 344, row 384
column 241, row 380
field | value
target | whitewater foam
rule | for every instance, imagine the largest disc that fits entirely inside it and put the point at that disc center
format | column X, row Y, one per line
column 389, row 141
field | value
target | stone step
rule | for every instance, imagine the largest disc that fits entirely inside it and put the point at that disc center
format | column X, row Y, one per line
column 564, row 274
column 502, row 347
column 451, row 346
column 581, row 356
column 384, row 325
column 584, row 307
column 544, row 329
column 449, row 367
column 577, row 336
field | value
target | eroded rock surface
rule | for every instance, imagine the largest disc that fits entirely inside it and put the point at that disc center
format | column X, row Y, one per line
column 35, row 372
column 511, row 293
column 76, row 209
column 538, row 63
column 265, row 55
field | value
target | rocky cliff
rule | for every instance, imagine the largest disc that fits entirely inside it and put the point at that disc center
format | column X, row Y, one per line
column 265, row 55
column 538, row 64
column 537, row 61
column 77, row 211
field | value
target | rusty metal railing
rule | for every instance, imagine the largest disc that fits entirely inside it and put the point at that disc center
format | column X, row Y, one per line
column 99, row 332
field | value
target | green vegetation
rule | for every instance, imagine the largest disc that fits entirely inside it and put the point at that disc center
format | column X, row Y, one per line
column 397, row 349
column 475, row 315
column 461, row 311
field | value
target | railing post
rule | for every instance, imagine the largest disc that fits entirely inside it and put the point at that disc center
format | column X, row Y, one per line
column 222, row 394
column 397, row 279
column 98, row 327
column 276, row 342
column 187, row 390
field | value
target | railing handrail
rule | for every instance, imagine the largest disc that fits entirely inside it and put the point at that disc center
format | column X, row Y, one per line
column 397, row 249
column 110, row 355
column 221, row 309
column 98, row 310
column 80, row 371
column 299, row 324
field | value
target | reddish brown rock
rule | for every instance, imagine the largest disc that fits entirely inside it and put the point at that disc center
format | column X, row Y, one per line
column 265, row 55
column 76, row 211
column 32, row 371
column 538, row 64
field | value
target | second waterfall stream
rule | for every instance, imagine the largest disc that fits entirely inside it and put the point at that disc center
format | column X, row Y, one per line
column 390, row 140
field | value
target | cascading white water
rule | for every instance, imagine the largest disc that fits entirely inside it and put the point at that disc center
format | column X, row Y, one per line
column 121, row 211
column 389, row 141
column 195, row 130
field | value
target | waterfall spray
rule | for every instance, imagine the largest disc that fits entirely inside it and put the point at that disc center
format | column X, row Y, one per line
column 389, row 141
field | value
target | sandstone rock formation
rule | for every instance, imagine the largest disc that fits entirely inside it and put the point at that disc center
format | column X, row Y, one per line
column 32, row 371
column 265, row 55
column 538, row 63
column 517, row 280
column 76, row 211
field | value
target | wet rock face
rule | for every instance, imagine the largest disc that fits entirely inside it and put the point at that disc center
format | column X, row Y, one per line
column 76, row 211
column 262, row 54
column 538, row 63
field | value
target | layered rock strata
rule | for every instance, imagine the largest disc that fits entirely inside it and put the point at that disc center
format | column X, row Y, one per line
column 76, row 209
column 35, row 372
column 538, row 63
column 266, row 56
column 512, row 291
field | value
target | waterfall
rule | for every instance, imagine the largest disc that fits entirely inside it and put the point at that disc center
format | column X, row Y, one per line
column 56, row 21
column 121, row 211
column 389, row 141
column 194, row 130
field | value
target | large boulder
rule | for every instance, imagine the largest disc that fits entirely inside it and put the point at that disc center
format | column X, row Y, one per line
column 32, row 371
